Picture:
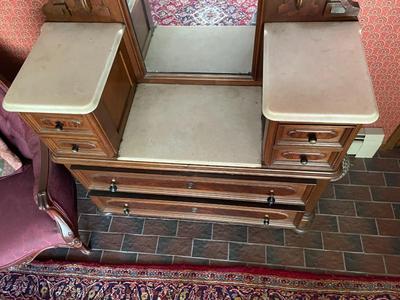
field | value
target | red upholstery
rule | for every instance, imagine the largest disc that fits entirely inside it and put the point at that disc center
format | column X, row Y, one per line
column 24, row 229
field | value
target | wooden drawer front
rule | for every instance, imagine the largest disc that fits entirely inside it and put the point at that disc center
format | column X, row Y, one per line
column 191, row 209
column 75, row 147
column 196, row 186
column 305, row 158
column 312, row 135
column 61, row 124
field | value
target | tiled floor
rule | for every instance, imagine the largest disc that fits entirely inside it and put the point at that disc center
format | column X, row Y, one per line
column 357, row 230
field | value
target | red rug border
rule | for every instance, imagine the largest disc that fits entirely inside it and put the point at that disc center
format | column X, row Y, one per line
column 261, row 271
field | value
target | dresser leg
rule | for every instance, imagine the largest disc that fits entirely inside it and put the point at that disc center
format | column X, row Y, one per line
column 305, row 222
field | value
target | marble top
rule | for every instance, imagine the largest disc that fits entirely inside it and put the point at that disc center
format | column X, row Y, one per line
column 207, row 125
column 316, row 72
column 66, row 70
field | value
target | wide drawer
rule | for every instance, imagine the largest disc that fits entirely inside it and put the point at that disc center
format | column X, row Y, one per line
column 198, row 209
column 218, row 186
column 312, row 135
column 60, row 124
column 305, row 158
column 76, row 147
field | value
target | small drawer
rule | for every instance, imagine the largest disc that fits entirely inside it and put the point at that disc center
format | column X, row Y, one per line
column 305, row 158
column 197, row 209
column 312, row 135
column 60, row 124
column 235, row 187
column 294, row 10
column 76, row 147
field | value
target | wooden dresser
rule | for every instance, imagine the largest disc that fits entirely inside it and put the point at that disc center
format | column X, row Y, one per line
column 257, row 150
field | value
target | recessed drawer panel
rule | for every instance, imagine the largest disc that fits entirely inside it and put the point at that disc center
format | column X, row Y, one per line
column 305, row 158
column 61, row 124
column 75, row 147
column 196, row 209
column 312, row 135
column 253, row 188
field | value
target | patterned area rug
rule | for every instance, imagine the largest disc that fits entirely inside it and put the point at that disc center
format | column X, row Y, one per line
column 85, row 281
column 203, row 12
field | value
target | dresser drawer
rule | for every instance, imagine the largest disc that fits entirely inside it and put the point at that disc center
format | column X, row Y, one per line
column 294, row 10
column 76, row 147
column 305, row 158
column 238, row 212
column 312, row 135
column 217, row 186
column 60, row 124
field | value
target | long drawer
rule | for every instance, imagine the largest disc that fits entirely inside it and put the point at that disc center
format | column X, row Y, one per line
column 239, row 212
column 216, row 186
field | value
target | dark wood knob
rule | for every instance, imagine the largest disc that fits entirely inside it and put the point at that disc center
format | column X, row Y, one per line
column 75, row 148
column 303, row 160
column 59, row 126
column 190, row 185
column 312, row 138
column 271, row 199
column 126, row 210
column 113, row 186
column 266, row 220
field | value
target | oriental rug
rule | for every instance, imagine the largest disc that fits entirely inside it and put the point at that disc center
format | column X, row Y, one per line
column 203, row 12
column 52, row 280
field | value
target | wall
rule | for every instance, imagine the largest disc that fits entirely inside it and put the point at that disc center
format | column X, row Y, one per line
column 20, row 23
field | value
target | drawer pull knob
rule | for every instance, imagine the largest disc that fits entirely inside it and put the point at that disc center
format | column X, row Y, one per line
column 299, row 4
column 113, row 186
column 126, row 210
column 59, row 126
column 303, row 160
column 271, row 199
column 266, row 220
column 190, row 185
column 312, row 138
column 75, row 148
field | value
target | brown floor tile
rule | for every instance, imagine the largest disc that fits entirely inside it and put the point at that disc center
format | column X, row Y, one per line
column 106, row 241
column 368, row 263
column 309, row 239
column 388, row 227
column 127, row 225
column 396, row 210
column 226, row 263
column 94, row 223
column 154, row 259
column 194, row 229
column 328, row 192
column 392, row 264
column 324, row 223
column 160, row 227
column 116, row 257
column 378, row 164
column 342, row 242
column 392, row 179
column 227, row 232
column 191, row 261
column 140, row 243
column 336, row 207
column 367, row 178
column 175, row 246
column 84, row 236
column 53, row 254
column 285, row 256
column 81, row 192
column 387, row 194
column 395, row 153
column 357, row 225
column 352, row 192
column 323, row 259
column 86, row 206
column 374, row 210
column 356, row 164
column 381, row 245
column 210, row 249
column 247, row 253
column 262, row 235
column 344, row 180
column 78, row 256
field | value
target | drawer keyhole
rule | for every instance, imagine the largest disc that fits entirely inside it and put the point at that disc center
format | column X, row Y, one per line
column 312, row 138
column 113, row 186
column 303, row 159
column 75, row 148
column 190, row 185
column 59, row 126
column 271, row 198
column 266, row 220
column 126, row 210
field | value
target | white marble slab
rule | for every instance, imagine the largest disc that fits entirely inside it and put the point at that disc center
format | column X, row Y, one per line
column 316, row 72
column 207, row 125
column 66, row 70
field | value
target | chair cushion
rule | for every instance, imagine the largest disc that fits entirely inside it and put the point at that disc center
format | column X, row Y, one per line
column 25, row 230
column 9, row 162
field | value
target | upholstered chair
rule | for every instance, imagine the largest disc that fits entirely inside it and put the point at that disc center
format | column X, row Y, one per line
column 38, row 202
